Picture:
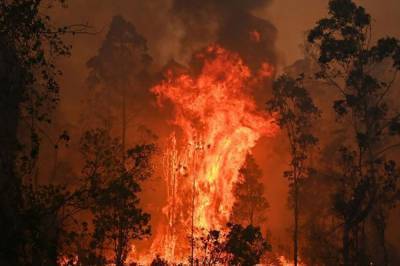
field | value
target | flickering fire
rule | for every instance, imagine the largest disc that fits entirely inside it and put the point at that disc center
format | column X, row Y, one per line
column 217, row 123
column 286, row 262
column 255, row 36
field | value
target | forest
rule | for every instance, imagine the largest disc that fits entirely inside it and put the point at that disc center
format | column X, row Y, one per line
column 191, row 132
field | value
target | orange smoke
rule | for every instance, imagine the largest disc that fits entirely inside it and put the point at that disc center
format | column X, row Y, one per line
column 217, row 124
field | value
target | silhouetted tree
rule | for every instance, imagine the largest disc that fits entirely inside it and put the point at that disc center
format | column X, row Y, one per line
column 250, row 204
column 112, row 185
column 47, row 213
column 295, row 112
column 116, row 71
column 233, row 245
column 320, row 241
column 158, row 261
column 348, row 62
column 29, row 44
column 245, row 245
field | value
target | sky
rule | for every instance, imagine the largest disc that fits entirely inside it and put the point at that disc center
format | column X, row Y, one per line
column 293, row 18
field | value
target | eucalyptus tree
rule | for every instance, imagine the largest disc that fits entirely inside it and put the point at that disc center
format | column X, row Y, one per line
column 117, row 73
column 363, row 72
column 111, row 187
column 29, row 45
column 250, row 205
column 295, row 113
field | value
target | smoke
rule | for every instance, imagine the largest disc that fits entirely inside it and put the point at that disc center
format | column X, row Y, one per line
column 175, row 30
column 229, row 23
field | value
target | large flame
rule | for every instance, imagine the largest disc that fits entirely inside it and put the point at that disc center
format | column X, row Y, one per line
column 218, row 123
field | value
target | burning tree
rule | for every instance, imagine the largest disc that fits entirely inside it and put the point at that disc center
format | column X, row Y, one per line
column 250, row 204
column 217, row 123
column 211, row 249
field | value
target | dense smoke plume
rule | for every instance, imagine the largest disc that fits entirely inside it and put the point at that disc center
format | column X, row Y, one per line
column 229, row 23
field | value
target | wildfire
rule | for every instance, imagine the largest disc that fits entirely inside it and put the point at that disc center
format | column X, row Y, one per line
column 217, row 124
column 255, row 36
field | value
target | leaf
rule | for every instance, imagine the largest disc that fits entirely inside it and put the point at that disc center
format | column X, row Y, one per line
column 340, row 107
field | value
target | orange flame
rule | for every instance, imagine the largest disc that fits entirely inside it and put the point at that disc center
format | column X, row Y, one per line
column 218, row 123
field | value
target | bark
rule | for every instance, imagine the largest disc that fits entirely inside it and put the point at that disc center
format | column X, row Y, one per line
column 11, row 93
column 123, row 123
column 296, row 222
column 346, row 245
column 380, row 224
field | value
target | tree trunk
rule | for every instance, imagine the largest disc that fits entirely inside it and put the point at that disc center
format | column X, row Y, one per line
column 123, row 123
column 252, row 215
column 119, row 261
column 10, row 183
column 346, row 245
column 380, row 224
column 385, row 252
column 296, row 222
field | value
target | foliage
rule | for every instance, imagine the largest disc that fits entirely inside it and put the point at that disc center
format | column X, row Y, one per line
column 349, row 62
column 158, row 261
column 83, row 225
column 295, row 113
column 123, row 53
column 116, row 73
column 212, row 248
column 33, row 44
column 237, row 245
column 320, row 241
column 43, row 219
column 250, row 203
column 246, row 245
column 113, row 185
column 29, row 45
